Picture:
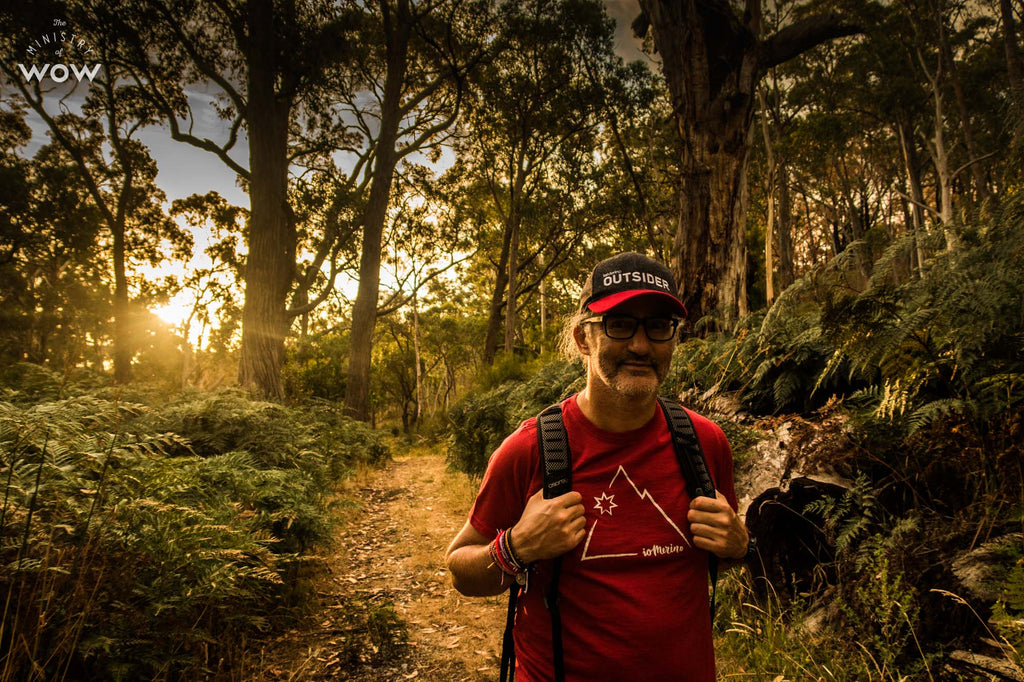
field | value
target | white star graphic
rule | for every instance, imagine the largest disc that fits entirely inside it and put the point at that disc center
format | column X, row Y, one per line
column 605, row 499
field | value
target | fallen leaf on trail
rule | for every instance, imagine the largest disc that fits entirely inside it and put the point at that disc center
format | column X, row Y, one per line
column 454, row 643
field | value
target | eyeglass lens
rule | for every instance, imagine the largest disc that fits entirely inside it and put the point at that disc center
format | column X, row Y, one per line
column 622, row 327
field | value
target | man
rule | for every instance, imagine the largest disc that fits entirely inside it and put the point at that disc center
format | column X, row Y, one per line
column 633, row 588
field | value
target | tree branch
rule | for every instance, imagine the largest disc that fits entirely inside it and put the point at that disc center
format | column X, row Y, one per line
column 800, row 37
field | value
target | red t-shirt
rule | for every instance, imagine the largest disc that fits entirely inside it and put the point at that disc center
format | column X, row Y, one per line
column 633, row 593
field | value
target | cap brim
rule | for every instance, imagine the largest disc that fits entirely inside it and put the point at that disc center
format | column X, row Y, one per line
column 608, row 302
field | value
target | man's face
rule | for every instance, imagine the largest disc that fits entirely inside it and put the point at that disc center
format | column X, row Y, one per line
column 632, row 367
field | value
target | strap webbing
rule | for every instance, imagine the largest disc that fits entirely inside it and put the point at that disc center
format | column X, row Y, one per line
column 553, row 442
column 694, row 467
column 557, row 462
column 508, row 647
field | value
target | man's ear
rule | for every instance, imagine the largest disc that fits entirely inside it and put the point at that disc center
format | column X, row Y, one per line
column 579, row 334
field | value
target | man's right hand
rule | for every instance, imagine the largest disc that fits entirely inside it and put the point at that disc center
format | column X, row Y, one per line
column 549, row 527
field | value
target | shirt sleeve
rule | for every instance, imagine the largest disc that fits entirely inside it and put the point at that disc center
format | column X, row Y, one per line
column 508, row 483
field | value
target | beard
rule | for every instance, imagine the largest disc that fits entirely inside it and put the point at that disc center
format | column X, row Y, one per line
column 632, row 375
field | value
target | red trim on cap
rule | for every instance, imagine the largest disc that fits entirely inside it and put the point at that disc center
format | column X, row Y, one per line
column 608, row 302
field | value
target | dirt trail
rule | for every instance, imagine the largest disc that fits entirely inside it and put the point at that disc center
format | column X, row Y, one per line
column 388, row 609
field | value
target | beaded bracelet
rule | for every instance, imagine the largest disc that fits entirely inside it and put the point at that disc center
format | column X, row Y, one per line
column 504, row 556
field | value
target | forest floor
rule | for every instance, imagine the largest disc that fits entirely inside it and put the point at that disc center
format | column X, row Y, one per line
column 386, row 608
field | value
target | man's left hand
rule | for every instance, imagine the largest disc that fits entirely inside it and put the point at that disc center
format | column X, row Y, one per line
column 717, row 528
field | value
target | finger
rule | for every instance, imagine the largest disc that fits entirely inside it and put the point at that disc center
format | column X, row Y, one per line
column 705, row 544
column 570, row 498
column 706, row 530
column 709, row 504
column 705, row 518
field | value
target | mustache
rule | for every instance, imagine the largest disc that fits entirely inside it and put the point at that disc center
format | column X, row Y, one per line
column 632, row 357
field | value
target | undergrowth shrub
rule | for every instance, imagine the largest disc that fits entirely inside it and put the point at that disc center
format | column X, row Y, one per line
column 126, row 552
column 948, row 340
column 481, row 420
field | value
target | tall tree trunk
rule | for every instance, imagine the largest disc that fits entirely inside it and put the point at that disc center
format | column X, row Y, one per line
column 966, row 127
column 270, row 266
column 784, row 229
column 769, row 228
column 416, row 352
column 497, row 298
column 906, row 137
column 513, row 280
column 1014, row 64
column 940, row 155
column 708, row 256
column 122, row 324
column 364, row 312
column 713, row 100
column 543, row 304
column 710, row 64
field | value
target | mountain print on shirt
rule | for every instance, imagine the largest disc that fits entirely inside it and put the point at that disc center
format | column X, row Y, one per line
column 629, row 522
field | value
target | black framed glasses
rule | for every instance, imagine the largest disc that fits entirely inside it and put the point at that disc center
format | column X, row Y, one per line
column 623, row 327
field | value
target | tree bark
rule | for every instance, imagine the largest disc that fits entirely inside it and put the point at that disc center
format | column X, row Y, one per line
column 514, row 225
column 497, row 299
column 906, row 137
column 769, row 228
column 364, row 311
column 122, row 325
column 416, row 353
column 270, row 266
column 784, row 229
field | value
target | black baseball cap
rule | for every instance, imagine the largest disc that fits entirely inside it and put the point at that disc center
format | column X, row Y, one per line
column 624, row 276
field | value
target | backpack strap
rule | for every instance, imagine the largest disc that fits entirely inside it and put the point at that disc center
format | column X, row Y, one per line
column 694, row 467
column 556, row 461
column 508, row 647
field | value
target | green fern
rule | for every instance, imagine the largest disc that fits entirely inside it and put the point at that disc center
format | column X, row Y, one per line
column 119, row 536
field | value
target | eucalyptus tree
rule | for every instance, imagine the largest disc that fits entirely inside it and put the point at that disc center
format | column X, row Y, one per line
column 251, row 63
column 714, row 56
column 874, row 109
column 54, row 280
column 425, row 247
column 534, row 117
column 419, row 55
column 117, row 171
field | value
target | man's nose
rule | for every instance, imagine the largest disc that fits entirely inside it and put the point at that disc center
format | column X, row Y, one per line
column 640, row 343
